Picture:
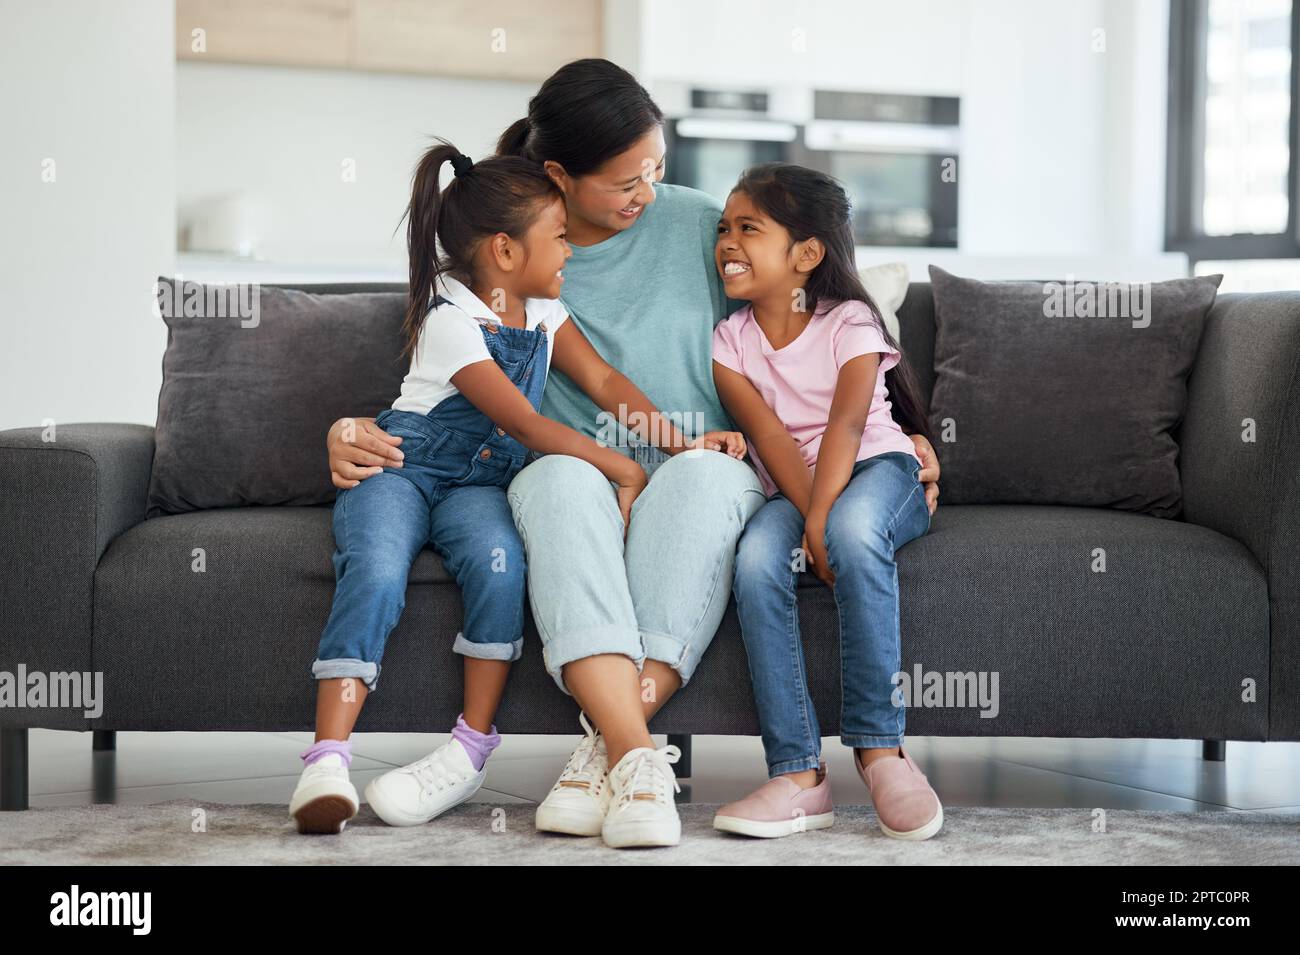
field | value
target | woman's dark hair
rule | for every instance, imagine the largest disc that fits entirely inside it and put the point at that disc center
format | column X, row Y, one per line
column 500, row 194
column 808, row 203
column 586, row 113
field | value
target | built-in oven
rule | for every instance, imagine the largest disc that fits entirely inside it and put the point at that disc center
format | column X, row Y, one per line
column 718, row 133
column 896, row 154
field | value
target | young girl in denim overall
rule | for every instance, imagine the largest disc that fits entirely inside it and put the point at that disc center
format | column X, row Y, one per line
column 807, row 370
column 467, row 419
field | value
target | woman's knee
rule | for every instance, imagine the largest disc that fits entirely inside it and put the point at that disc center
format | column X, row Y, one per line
column 558, row 487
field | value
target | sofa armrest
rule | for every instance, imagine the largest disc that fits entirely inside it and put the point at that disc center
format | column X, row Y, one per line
column 61, row 503
column 1247, row 371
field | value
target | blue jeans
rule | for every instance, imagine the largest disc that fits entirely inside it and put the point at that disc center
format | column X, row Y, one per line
column 660, row 594
column 881, row 509
column 450, row 493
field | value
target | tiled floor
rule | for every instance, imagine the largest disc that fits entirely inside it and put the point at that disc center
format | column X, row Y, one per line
column 1064, row 773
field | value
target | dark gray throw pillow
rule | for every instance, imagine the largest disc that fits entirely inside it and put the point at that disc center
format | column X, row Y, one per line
column 253, row 377
column 1063, row 392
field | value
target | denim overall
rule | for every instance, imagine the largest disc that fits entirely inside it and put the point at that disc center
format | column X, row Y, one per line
column 450, row 493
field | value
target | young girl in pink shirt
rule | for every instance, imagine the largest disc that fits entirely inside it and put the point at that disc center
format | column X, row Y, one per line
column 808, row 371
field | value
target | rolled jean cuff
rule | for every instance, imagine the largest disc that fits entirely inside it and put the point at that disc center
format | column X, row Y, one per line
column 346, row 667
column 873, row 742
column 793, row 766
column 670, row 650
column 489, row 651
column 580, row 644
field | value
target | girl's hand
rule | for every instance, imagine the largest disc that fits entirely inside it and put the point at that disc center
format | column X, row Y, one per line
column 929, row 474
column 814, row 545
column 731, row 443
column 629, row 487
column 358, row 449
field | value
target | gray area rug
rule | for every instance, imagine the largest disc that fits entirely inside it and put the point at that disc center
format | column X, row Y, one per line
column 183, row 832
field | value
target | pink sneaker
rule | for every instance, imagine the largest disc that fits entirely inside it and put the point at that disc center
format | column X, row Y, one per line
column 779, row 807
column 906, row 805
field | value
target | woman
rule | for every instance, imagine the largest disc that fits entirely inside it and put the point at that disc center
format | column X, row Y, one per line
column 624, row 613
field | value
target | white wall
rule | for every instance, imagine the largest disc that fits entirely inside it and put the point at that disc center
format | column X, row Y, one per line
column 281, row 136
column 1062, row 146
column 88, row 85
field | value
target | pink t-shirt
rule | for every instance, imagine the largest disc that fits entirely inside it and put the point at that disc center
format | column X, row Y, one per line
column 798, row 381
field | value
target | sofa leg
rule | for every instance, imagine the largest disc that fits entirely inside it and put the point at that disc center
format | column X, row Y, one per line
column 1214, row 749
column 103, row 739
column 13, row 769
column 682, row 768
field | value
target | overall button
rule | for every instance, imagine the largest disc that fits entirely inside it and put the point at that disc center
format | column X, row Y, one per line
column 541, row 326
column 485, row 454
column 501, row 432
column 493, row 329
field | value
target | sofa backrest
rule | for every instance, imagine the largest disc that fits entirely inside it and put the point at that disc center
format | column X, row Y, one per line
column 915, row 321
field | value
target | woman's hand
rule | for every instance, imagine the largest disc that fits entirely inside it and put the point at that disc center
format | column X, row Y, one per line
column 814, row 545
column 929, row 474
column 731, row 443
column 629, row 486
column 358, row 449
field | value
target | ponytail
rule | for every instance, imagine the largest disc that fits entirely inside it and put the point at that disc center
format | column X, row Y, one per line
column 445, row 227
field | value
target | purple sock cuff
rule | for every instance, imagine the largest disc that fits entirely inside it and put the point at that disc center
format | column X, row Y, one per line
column 326, row 746
column 477, row 745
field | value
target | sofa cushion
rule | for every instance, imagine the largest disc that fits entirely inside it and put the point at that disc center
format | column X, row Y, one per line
column 1003, row 588
column 251, row 384
column 1064, row 393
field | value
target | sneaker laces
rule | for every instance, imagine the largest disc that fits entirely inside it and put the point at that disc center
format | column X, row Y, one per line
column 647, row 772
column 583, row 769
column 433, row 774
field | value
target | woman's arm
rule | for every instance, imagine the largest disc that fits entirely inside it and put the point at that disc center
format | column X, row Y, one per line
column 929, row 474
column 358, row 448
column 614, row 392
column 769, row 436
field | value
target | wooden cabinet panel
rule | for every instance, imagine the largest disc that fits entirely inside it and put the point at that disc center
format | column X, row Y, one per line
column 513, row 39
column 281, row 32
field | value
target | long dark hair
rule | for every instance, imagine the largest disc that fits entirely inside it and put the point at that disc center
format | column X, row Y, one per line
column 586, row 113
column 500, row 194
column 812, row 204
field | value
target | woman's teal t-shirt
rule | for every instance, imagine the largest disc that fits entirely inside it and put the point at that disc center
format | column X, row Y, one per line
column 647, row 298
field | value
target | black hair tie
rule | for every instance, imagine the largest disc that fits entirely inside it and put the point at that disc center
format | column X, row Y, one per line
column 461, row 163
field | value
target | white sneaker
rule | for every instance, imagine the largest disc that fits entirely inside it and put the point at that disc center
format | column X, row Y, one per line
column 426, row 788
column 578, row 801
column 642, row 811
column 325, row 798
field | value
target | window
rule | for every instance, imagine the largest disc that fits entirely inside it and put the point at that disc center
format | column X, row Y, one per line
column 1232, row 175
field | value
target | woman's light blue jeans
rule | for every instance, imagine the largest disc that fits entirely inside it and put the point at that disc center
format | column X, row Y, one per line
column 881, row 509
column 663, row 593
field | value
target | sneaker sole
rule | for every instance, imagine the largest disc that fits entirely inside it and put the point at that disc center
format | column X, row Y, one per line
column 642, row 834
column 925, row 832
column 324, row 815
column 569, row 822
column 394, row 816
column 773, row 829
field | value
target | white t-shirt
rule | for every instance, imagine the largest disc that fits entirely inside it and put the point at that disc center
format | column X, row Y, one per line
column 452, row 338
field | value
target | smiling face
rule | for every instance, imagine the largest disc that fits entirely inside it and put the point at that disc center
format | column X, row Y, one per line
column 754, row 254
column 546, row 249
column 612, row 198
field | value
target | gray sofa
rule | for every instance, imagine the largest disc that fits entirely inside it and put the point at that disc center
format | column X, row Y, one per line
column 1160, row 646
